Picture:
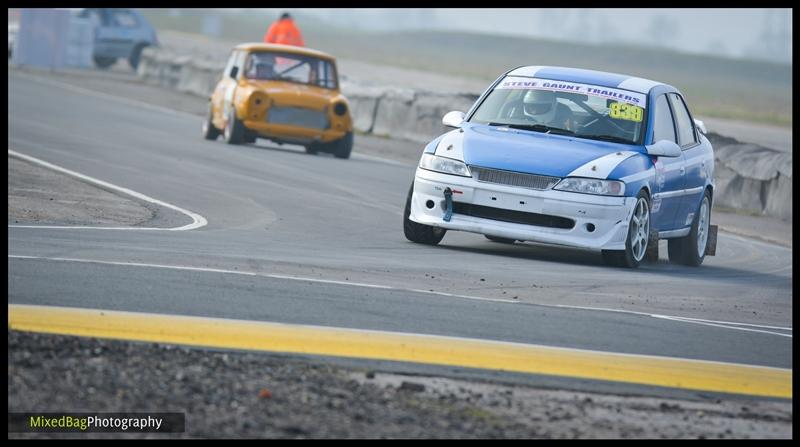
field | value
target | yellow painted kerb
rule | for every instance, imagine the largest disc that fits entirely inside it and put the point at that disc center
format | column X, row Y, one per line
column 470, row 353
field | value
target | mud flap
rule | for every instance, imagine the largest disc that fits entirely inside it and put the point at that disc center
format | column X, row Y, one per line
column 651, row 254
column 448, row 200
column 711, row 246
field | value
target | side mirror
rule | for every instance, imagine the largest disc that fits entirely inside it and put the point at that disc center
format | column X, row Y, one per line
column 664, row 148
column 234, row 72
column 700, row 125
column 453, row 119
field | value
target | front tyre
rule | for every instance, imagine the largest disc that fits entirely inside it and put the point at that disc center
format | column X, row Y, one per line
column 209, row 131
column 691, row 249
column 419, row 233
column 234, row 129
column 343, row 147
column 637, row 239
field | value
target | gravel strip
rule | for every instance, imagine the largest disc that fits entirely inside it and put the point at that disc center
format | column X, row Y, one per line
column 260, row 395
column 40, row 196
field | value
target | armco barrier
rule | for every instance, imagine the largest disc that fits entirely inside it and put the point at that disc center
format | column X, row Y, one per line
column 749, row 177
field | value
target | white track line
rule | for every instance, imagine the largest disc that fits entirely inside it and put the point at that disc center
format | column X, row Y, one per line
column 691, row 320
column 198, row 221
column 722, row 324
column 264, row 275
column 714, row 323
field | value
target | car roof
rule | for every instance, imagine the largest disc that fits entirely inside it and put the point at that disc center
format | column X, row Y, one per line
column 594, row 77
column 283, row 49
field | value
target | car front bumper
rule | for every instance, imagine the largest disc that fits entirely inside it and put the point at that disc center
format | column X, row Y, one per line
column 608, row 216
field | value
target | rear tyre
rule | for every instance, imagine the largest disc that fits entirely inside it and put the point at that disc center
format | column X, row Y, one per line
column 691, row 249
column 209, row 131
column 638, row 237
column 419, row 233
column 312, row 149
column 104, row 62
column 234, row 129
column 501, row 240
column 250, row 137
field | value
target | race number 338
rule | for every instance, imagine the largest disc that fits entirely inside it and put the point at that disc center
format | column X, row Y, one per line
column 622, row 111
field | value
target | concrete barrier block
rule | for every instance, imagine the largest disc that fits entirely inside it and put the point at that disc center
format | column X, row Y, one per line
column 362, row 110
column 751, row 160
column 779, row 198
column 429, row 110
column 785, row 169
column 394, row 113
column 736, row 191
column 363, row 104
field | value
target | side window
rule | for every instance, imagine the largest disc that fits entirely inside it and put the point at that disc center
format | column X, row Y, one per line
column 239, row 62
column 125, row 19
column 686, row 133
column 231, row 61
column 329, row 75
column 663, row 128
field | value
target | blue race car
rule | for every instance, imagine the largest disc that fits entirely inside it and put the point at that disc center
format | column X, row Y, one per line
column 572, row 157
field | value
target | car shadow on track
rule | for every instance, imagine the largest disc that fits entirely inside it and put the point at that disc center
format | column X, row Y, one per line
column 591, row 258
column 532, row 251
column 287, row 148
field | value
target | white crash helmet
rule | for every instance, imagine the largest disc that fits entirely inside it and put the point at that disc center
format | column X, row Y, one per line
column 540, row 105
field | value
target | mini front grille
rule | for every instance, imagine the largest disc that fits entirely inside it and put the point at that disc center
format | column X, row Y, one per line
column 519, row 217
column 298, row 116
column 532, row 181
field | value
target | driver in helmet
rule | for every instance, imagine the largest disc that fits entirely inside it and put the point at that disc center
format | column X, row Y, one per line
column 542, row 107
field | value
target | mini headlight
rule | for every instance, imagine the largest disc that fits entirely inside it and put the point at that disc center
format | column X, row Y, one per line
column 591, row 186
column 445, row 165
column 340, row 108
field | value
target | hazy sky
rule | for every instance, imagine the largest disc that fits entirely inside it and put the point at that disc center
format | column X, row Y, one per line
column 751, row 33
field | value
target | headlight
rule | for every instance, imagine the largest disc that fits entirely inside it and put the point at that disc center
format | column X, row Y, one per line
column 340, row 108
column 592, row 186
column 445, row 165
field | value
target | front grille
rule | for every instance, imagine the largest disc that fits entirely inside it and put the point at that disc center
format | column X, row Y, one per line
column 298, row 116
column 518, row 217
column 532, row 181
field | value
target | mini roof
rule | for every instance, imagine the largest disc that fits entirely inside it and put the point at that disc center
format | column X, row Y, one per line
column 283, row 49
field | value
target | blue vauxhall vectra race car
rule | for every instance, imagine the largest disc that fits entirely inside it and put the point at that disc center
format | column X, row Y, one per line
column 571, row 157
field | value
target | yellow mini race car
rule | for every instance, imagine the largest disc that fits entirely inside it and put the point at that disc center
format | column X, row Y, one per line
column 282, row 93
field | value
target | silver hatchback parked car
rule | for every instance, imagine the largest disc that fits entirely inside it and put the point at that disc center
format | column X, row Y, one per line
column 119, row 33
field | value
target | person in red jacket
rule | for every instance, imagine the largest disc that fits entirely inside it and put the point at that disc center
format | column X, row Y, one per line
column 284, row 31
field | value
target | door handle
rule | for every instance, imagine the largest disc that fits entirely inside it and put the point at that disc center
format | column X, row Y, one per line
column 683, row 170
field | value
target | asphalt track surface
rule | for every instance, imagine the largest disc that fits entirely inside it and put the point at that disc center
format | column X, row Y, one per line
column 324, row 237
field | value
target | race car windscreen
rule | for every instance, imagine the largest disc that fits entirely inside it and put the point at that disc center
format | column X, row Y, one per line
column 288, row 67
column 566, row 108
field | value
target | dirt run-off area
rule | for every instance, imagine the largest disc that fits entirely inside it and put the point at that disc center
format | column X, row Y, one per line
column 260, row 395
